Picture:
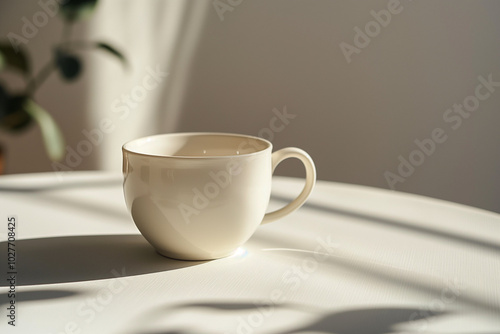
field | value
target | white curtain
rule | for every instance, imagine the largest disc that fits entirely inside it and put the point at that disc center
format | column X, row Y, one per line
column 159, row 40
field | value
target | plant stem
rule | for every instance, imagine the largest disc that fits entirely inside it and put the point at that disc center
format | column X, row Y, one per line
column 40, row 78
column 45, row 72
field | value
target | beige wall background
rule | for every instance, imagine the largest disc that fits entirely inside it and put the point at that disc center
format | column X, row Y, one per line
column 355, row 118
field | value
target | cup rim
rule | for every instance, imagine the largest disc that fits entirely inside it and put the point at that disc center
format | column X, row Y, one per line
column 268, row 144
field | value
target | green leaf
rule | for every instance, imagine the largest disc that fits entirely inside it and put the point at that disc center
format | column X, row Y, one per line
column 73, row 10
column 17, row 60
column 13, row 116
column 69, row 65
column 52, row 135
column 113, row 51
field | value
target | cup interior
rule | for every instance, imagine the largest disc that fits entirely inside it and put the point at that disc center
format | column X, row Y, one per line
column 196, row 145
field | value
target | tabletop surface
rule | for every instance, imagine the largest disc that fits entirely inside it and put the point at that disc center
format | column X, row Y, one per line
column 353, row 260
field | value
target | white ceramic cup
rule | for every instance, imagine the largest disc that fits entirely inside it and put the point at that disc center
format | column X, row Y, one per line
column 199, row 196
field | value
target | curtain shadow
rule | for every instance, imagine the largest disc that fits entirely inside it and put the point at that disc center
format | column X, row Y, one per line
column 397, row 224
column 384, row 273
column 47, row 192
column 101, row 208
column 357, row 321
column 85, row 258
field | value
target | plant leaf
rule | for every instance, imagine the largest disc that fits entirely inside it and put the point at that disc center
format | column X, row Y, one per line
column 9, row 57
column 52, row 135
column 13, row 116
column 73, row 10
column 113, row 51
column 69, row 65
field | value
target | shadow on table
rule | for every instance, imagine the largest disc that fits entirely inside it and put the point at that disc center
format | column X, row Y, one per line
column 356, row 321
column 378, row 271
column 99, row 208
column 36, row 295
column 84, row 258
column 446, row 236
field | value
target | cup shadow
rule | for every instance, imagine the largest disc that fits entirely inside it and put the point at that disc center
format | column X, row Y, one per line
column 85, row 258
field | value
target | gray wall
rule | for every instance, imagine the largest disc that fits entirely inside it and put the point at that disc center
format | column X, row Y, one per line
column 355, row 118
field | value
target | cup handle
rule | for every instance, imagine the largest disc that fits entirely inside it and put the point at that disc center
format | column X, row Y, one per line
column 279, row 156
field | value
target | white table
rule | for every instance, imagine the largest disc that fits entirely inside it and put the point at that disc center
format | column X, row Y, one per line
column 354, row 260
